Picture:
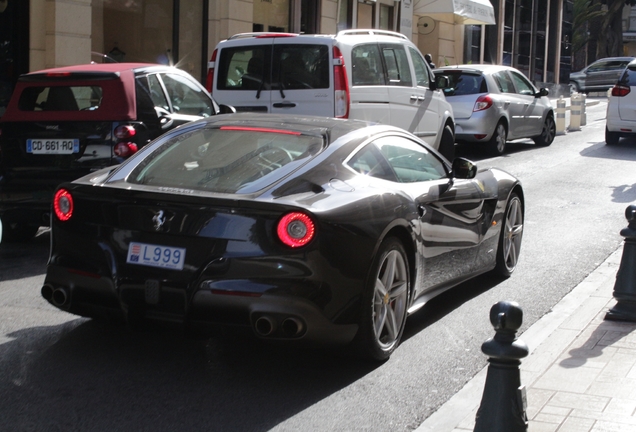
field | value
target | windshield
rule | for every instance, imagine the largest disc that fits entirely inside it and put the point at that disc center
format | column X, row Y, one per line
column 227, row 159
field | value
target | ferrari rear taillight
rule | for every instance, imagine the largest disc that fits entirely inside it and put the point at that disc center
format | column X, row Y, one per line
column 210, row 78
column 63, row 205
column 341, row 85
column 482, row 103
column 620, row 90
column 296, row 229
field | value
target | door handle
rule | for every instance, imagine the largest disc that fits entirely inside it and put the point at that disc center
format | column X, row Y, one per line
column 284, row 105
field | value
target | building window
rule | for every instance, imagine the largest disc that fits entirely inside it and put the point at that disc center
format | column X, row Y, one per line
column 271, row 15
column 472, row 44
column 386, row 17
column 345, row 9
column 150, row 31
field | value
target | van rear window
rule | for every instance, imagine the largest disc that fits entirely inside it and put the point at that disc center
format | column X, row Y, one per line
column 60, row 98
column 286, row 67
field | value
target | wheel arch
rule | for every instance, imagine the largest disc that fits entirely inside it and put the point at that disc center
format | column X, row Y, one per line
column 403, row 235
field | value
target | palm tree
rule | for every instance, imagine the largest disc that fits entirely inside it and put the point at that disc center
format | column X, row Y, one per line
column 610, row 29
column 584, row 12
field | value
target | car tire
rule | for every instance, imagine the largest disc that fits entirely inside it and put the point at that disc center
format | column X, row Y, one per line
column 574, row 87
column 497, row 143
column 384, row 303
column 447, row 143
column 510, row 237
column 547, row 133
column 13, row 232
column 611, row 138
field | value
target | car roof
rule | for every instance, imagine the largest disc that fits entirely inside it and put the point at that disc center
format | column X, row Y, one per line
column 366, row 34
column 97, row 67
column 613, row 58
column 305, row 124
column 484, row 68
column 116, row 79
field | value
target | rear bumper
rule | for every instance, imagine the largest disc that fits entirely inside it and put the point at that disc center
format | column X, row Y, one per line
column 278, row 316
column 616, row 124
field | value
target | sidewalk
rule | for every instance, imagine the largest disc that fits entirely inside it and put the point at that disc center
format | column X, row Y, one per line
column 581, row 372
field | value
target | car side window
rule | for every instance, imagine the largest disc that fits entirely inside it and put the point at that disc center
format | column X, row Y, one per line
column 156, row 93
column 522, row 84
column 397, row 65
column 410, row 161
column 370, row 162
column 422, row 74
column 598, row 67
column 366, row 65
column 504, row 82
column 186, row 97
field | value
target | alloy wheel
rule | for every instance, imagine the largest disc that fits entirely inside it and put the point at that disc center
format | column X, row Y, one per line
column 513, row 230
column 389, row 299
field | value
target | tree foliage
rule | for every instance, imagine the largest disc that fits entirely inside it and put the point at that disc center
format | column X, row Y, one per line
column 609, row 38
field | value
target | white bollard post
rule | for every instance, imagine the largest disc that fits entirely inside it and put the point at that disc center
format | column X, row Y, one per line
column 583, row 114
column 560, row 116
column 575, row 112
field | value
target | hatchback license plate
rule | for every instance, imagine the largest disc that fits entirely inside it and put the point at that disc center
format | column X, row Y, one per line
column 52, row 146
column 156, row 256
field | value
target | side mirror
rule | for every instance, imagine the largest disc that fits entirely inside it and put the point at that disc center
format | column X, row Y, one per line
column 464, row 169
column 226, row 109
column 542, row 92
column 441, row 82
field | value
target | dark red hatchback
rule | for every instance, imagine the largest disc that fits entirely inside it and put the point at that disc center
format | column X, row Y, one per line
column 64, row 123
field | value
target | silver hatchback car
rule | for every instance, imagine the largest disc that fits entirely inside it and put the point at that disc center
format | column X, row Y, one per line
column 493, row 104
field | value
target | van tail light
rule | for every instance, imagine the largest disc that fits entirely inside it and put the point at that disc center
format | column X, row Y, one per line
column 483, row 102
column 341, row 85
column 63, row 204
column 125, row 147
column 620, row 90
column 210, row 78
column 296, row 229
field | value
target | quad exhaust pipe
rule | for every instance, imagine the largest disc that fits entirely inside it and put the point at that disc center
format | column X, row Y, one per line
column 265, row 326
column 58, row 296
column 289, row 327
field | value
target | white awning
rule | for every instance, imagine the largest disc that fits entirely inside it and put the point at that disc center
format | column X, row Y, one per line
column 464, row 11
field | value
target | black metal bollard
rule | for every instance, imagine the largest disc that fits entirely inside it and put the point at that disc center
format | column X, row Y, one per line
column 503, row 404
column 625, row 286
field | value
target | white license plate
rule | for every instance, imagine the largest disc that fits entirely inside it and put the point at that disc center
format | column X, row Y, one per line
column 156, row 256
column 52, row 146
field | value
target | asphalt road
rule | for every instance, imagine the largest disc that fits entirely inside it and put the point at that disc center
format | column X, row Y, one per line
column 63, row 373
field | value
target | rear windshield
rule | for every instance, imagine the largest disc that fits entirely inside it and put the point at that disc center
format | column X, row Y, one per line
column 464, row 83
column 285, row 67
column 629, row 77
column 226, row 160
column 60, row 98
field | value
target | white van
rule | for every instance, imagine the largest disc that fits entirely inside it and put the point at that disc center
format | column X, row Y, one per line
column 371, row 75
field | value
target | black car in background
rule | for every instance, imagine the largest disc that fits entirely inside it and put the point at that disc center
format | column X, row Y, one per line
column 64, row 123
column 300, row 228
column 599, row 76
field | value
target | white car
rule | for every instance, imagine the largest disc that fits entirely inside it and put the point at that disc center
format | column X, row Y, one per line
column 373, row 75
column 621, row 107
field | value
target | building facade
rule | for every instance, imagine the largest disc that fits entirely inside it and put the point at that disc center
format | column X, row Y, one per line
column 39, row 34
